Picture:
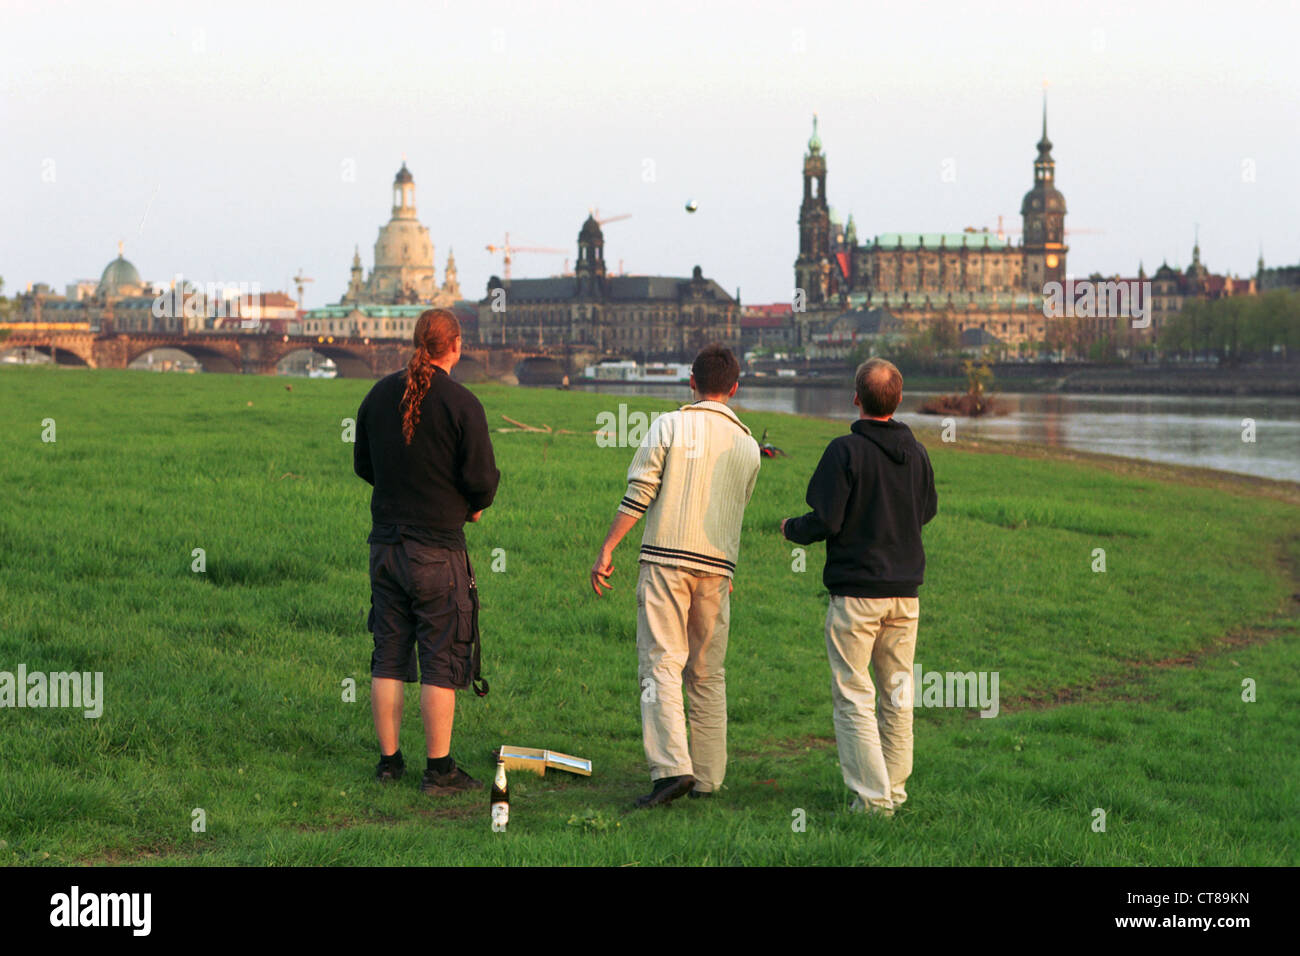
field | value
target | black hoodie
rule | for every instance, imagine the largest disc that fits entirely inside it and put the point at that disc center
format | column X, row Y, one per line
column 427, row 489
column 870, row 494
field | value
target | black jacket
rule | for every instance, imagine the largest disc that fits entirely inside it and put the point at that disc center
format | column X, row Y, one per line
column 870, row 494
column 447, row 472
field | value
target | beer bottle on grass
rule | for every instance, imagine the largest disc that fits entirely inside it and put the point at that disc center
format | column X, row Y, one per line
column 500, row 799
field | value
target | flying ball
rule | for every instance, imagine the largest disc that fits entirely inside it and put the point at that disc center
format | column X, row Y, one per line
column 692, row 205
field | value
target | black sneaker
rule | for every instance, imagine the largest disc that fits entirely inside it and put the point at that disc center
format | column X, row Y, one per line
column 700, row 794
column 454, row 780
column 666, row 790
column 390, row 770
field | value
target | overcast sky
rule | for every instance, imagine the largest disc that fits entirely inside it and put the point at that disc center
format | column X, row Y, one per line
column 239, row 142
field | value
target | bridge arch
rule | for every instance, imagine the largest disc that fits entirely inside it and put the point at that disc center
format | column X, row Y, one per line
column 210, row 359
column 349, row 363
column 539, row 370
column 63, row 355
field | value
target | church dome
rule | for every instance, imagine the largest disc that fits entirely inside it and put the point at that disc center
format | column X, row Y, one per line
column 590, row 231
column 403, row 176
column 116, row 274
column 1043, row 199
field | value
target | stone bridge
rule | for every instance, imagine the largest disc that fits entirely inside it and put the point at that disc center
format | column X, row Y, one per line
column 260, row 354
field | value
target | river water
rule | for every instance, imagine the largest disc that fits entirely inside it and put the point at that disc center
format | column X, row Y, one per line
column 1205, row 431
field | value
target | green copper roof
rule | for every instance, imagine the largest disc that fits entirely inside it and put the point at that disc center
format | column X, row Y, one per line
column 370, row 311
column 117, row 273
column 932, row 240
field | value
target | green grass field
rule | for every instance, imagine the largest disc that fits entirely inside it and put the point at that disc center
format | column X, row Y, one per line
column 224, row 690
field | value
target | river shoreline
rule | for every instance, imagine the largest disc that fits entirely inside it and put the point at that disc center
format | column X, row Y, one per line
column 1248, row 434
column 1246, row 380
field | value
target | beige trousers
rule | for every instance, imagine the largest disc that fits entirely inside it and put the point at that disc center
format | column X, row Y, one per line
column 681, row 632
column 875, row 758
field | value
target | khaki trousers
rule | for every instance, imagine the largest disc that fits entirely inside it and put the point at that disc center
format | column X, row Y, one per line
column 681, row 632
column 875, row 757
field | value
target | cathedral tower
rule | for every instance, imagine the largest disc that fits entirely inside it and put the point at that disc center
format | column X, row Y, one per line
column 1043, row 210
column 811, row 268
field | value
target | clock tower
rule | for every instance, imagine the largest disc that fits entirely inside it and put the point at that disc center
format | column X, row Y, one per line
column 1043, row 211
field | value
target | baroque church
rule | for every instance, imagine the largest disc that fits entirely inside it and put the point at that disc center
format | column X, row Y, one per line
column 403, row 273
column 980, row 280
column 387, row 303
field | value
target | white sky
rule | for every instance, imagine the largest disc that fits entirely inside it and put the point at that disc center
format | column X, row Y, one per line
column 213, row 137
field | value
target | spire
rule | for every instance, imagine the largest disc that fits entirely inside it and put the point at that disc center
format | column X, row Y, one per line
column 1044, row 144
column 815, row 141
column 119, row 248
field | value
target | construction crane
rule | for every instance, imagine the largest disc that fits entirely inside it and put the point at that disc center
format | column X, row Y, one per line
column 595, row 213
column 508, row 252
column 300, row 280
column 1013, row 231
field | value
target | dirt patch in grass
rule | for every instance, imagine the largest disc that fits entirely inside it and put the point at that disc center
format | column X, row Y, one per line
column 1138, row 670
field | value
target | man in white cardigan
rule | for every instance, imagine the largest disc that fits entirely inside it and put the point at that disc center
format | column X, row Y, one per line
column 691, row 477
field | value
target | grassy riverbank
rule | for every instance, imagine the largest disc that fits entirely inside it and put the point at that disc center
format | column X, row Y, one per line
column 224, row 690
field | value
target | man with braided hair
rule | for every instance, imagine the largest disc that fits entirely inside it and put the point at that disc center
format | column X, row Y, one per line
column 422, row 441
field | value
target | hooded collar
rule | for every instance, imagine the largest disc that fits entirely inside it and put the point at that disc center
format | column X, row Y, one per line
column 892, row 436
column 718, row 407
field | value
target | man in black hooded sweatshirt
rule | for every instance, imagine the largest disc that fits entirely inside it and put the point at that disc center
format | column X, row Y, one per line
column 870, row 495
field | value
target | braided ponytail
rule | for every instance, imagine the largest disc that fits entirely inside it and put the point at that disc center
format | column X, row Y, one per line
column 436, row 332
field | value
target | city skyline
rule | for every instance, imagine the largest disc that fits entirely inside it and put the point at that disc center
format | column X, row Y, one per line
column 161, row 137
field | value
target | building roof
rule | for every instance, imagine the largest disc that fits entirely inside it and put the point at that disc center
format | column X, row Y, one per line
column 1052, row 199
column 590, row 231
column 369, row 310
column 617, row 289
column 554, row 289
column 933, row 240
column 116, row 274
column 270, row 300
column 849, row 326
column 772, row 316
